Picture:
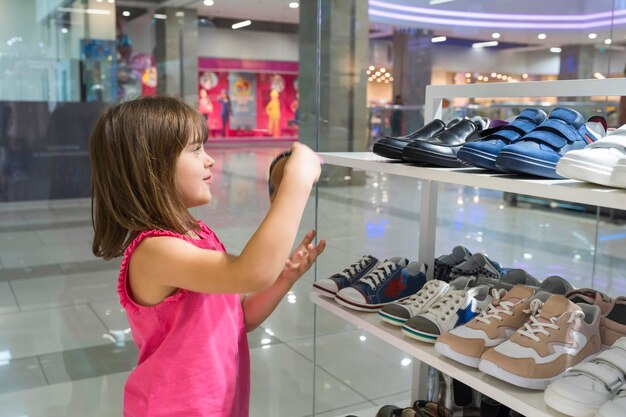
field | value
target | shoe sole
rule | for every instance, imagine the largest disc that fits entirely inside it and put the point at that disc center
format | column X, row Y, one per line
column 522, row 164
column 396, row 321
column 324, row 291
column 417, row 335
column 567, row 406
column 447, row 351
column 585, row 171
column 426, row 157
column 477, row 158
column 372, row 308
column 494, row 370
column 388, row 151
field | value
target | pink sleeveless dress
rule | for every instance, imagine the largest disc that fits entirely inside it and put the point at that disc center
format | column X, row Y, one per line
column 193, row 350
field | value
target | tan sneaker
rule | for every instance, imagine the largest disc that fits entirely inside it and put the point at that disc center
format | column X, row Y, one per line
column 493, row 326
column 561, row 335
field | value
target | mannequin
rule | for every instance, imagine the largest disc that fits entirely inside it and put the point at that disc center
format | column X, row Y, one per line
column 273, row 114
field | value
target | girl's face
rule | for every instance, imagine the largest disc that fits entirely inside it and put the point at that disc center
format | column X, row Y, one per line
column 193, row 175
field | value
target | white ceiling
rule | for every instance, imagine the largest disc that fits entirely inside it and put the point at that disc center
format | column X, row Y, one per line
column 485, row 17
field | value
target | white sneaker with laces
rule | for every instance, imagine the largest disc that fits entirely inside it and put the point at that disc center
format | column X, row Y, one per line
column 398, row 313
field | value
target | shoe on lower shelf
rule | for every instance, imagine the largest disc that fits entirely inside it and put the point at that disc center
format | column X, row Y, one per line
column 613, row 321
column 445, row 263
column 562, row 334
column 459, row 305
column 391, row 281
column 478, row 265
column 329, row 286
column 398, row 313
column 588, row 385
column 494, row 325
column 615, row 407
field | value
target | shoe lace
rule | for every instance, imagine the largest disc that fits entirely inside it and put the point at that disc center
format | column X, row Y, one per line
column 422, row 296
column 379, row 275
column 495, row 311
column 449, row 303
column 534, row 326
column 350, row 272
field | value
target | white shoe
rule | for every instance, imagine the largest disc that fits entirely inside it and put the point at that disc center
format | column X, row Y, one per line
column 398, row 313
column 615, row 407
column 597, row 161
column 588, row 385
column 618, row 177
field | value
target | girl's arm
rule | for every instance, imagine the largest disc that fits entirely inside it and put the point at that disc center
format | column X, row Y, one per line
column 160, row 265
column 259, row 305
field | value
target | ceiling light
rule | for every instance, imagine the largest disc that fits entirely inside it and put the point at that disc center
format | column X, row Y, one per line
column 180, row 13
column 368, row 72
column 377, row 73
column 484, row 44
column 111, row 1
column 499, row 76
column 438, row 39
column 371, row 68
column 555, row 50
column 294, row 5
column 468, row 80
column 64, row 30
column 524, row 76
column 592, row 35
column 209, row 2
column 126, row 13
column 479, row 78
column 160, row 16
column 542, row 36
column 468, row 74
column 599, row 76
column 388, row 74
column 87, row 11
column 486, row 79
column 607, row 41
column 439, row 1
column 495, row 35
column 382, row 70
column 241, row 24
column 390, row 78
column 493, row 74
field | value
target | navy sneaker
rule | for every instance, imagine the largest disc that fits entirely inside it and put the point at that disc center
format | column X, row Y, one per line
column 445, row 263
column 478, row 266
column 483, row 153
column 329, row 286
column 538, row 152
column 393, row 280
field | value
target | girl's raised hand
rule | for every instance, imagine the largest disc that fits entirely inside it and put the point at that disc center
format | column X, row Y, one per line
column 302, row 258
column 304, row 163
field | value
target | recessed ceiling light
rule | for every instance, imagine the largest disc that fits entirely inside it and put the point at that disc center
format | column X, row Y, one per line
column 383, row 70
column 524, row 76
column 438, row 39
column 493, row 74
column 439, row 1
column 484, row 44
column 468, row 74
column 555, row 50
column 209, row 2
column 608, row 41
column 180, row 13
column 242, row 24
column 542, row 36
column 495, row 35
column 160, row 16
column 371, row 68
column 126, row 13
column 599, row 76
column 294, row 5
column 64, row 30
column 592, row 35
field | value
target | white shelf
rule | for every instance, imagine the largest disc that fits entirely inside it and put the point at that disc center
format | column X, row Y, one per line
column 529, row 403
column 565, row 190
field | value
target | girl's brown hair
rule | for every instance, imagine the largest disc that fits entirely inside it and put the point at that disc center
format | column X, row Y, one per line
column 134, row 148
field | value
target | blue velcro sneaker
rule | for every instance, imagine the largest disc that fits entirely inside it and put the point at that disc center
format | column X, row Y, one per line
column 483, row 153
column 390, row 281
column 329, row 286
column 538, row 152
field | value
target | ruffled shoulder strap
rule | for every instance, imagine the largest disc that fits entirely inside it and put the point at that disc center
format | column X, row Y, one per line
column 122, row 281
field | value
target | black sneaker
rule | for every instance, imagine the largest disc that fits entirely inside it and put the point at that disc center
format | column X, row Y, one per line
column 445, row 263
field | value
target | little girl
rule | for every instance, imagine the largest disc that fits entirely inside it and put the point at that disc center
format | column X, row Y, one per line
column 189, row 303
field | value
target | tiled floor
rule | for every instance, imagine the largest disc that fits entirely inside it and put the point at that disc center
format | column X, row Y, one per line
column 65, row 347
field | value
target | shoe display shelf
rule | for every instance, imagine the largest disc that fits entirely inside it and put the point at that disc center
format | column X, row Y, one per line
column 526, row 402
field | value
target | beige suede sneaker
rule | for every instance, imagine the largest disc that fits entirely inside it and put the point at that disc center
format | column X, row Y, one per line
column 559, row 336
column 505, row 315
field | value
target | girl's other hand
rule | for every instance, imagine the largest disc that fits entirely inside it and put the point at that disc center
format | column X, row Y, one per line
column 302, row 258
